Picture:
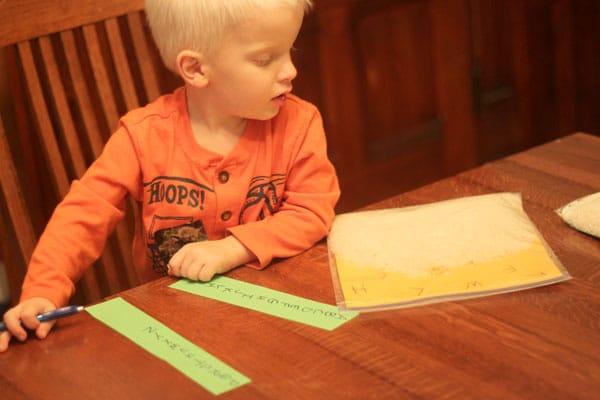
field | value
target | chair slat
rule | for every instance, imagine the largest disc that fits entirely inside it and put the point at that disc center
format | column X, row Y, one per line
column 59, row 98
column 42, row 118
column 142, row 54
column 121, row 64
column 15, row 199
column 21, row 225
column 125, row 241
column 82, row 94
column 101, row 79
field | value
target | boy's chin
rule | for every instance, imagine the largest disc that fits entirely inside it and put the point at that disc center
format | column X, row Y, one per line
column 266, row 116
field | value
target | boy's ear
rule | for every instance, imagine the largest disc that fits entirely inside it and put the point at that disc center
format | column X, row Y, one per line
column 190, row 65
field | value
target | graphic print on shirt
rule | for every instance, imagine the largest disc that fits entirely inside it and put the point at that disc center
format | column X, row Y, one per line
column 263, row 193
column 174, row 190
column 163, row 243
column 168, row 233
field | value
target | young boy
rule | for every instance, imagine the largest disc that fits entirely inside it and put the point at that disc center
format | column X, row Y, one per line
column 229, row 170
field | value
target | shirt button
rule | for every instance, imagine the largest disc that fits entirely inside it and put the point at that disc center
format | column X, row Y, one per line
column 226, row 215
column 223, row 176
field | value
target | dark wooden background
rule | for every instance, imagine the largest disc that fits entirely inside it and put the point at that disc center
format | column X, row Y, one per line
column 415, row 90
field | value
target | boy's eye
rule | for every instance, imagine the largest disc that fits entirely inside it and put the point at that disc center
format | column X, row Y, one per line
column 263, row 62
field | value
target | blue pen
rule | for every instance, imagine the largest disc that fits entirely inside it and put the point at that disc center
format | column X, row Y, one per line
column 52, row 315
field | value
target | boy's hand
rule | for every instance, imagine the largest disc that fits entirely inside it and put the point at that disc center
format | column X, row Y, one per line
column 200, row 261
column 25, row 314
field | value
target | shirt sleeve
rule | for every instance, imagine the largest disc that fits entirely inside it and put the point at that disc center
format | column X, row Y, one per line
column 77, row 231
column 307, row 209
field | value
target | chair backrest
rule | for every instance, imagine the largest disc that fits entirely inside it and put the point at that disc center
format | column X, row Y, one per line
column 73, row 67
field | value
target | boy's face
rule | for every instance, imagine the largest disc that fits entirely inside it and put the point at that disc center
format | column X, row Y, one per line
column 250, row 74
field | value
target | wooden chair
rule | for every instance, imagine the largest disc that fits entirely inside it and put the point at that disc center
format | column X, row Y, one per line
column 73, row 67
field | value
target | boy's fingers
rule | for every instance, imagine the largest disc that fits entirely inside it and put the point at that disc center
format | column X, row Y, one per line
column 174, row 264
column 172, row 269
column 30, row 322
column 13, row 324
column 42, row 331
column 4, row 339
column 30, row 312
column 206, row 274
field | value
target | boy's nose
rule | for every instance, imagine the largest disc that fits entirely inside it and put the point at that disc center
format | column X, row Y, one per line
column 288, row 71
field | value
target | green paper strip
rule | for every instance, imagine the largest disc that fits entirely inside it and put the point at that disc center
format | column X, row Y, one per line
column 154, row 337
column 268, row 301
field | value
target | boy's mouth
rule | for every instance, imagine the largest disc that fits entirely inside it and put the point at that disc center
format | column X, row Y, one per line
column 279, row 99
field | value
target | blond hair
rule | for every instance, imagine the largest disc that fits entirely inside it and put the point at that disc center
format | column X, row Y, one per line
column 199, row 25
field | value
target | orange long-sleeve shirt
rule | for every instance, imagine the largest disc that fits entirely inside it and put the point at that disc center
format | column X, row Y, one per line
column 275, row 192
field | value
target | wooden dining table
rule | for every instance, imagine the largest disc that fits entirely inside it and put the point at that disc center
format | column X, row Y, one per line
column 541, row 343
